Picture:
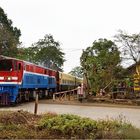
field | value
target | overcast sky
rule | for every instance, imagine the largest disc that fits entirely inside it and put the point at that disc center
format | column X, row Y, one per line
column 74, row 23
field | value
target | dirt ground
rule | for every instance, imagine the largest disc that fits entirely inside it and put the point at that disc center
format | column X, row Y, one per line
column 106, row 102
column 93, row 109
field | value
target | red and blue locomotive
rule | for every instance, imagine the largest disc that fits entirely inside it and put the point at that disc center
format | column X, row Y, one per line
column 20, row 80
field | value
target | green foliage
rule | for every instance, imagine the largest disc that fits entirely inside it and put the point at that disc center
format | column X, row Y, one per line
column 100, row 62
column 9, row 36
column 77, row 71
column 48, row 115
column 72, row 126
column 69, row 125
column 120, row 73
column 46, row 52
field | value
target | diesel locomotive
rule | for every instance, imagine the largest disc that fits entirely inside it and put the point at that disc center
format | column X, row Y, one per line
column 20, row 80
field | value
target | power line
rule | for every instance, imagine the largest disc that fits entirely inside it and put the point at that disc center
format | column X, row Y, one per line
column 72, row 49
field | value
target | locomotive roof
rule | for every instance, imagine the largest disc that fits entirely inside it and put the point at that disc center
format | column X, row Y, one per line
column 6, row 57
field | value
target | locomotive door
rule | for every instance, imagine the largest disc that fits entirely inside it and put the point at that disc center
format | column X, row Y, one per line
column 19, row 71
column 58, row 81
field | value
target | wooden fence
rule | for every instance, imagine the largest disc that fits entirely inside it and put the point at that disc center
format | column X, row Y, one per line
column 65, row 95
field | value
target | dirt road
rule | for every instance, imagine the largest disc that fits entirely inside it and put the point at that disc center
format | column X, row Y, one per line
column 92, row 111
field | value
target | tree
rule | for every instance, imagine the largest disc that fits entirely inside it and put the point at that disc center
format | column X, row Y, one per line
column 77, row 71
column 99, row 63
column 46, row 52
column 27, row 54
column 9, row 36
column 130, row 45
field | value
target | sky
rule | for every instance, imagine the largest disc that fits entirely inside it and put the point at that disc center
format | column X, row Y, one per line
column 76, row 24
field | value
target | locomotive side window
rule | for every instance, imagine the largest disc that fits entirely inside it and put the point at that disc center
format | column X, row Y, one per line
column 46, row 71
column 6, row 65
column 15, row 65
column 19, row 66
column 27, row 67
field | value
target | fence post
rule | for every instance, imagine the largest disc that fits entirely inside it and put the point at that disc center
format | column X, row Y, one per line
column 36, row 103
column 65, row 96
column 69, row 96
column 54, row 97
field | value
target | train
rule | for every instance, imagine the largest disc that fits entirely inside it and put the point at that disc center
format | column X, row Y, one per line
column 21, row 80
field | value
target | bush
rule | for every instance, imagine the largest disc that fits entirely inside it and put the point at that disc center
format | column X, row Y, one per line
column 69, row 125
column 72, row 126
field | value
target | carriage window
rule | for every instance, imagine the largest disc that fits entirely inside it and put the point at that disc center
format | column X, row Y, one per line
column 6, row 65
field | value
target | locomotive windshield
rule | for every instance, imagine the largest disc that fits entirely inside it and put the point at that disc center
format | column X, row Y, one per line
column 5, row 65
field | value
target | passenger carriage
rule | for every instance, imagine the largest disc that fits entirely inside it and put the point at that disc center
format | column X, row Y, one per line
column 68, row 81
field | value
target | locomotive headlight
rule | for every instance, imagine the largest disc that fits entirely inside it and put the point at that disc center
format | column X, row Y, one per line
column 9, row 78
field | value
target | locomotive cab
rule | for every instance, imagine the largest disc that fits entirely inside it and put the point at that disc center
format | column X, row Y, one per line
column 10, row 71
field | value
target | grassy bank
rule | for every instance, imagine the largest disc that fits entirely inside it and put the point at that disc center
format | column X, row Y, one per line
column 23, row 125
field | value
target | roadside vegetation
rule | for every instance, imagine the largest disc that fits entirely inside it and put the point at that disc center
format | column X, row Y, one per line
column 23, row 125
